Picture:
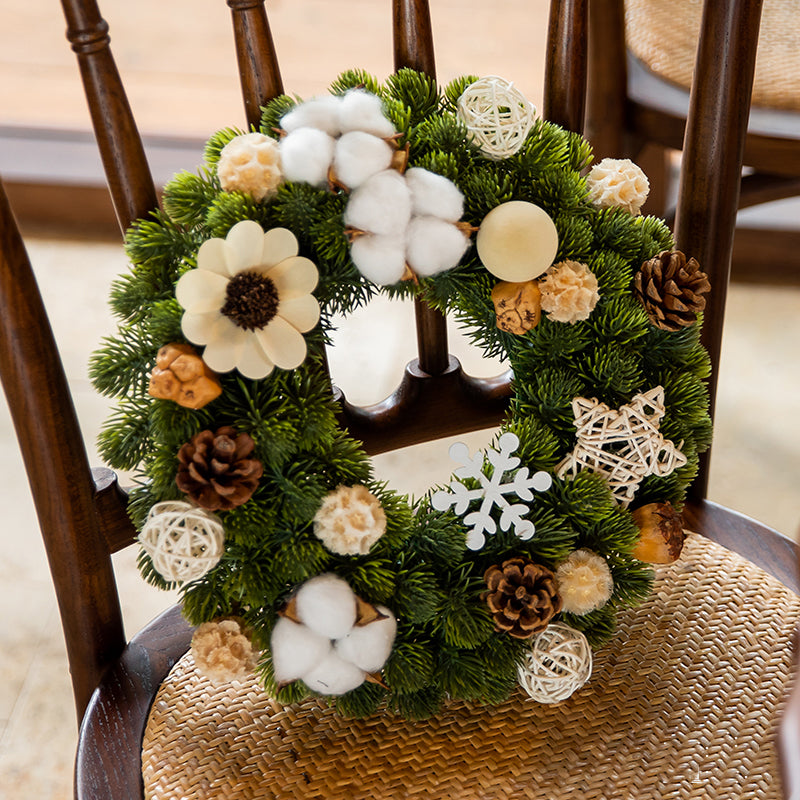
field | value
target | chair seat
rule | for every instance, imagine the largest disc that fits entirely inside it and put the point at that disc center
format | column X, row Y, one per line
column 684, row 700
column 663, row 34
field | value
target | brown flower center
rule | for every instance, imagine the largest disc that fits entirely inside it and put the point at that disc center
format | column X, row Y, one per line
column 251, row 300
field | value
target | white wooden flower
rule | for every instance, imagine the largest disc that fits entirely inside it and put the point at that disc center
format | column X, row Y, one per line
column 618, row 183
column 251, row 163
column 249, row 301
column 584, row 582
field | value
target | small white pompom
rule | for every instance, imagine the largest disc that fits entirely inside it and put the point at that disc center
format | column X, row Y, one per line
column 382, row 204
column 434, row 195
column 296, row 650
column 321, row 113
column 359, row 156
column 434, row 245
column 327, row 605
column 380, row 259
column 363, row 111
column 369, row 646
column 306, row 155
column 334, row 676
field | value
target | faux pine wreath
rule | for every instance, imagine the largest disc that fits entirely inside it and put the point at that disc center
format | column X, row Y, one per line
column 292, row 559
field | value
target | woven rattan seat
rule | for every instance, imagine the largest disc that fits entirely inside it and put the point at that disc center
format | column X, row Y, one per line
column 663, row 35
column 685, row 699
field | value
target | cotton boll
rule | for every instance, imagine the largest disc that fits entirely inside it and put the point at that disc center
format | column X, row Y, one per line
column 306, row 156
column 327, row 605
column 362, row 111
column 434, row 195
column 296, row 650
column 359, row 156
column 369, row 647
column 382, row 204
column 334, row 676
column 321, row 113
column 380, row 259
column 434, row 245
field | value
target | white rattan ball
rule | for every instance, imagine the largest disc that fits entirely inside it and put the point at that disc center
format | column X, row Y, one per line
column 183, row 541
column 498, row 116
column 558, row 663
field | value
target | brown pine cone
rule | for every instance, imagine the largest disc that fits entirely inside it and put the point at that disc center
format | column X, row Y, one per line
column 522, row 597
column 671, row 289
column 216, row 471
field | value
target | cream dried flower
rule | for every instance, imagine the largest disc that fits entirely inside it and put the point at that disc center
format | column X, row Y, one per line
column 584, row 582
column 618, row 183
column 569, row 292
column 223, row 652
column 251, row 163
column 350, row 521
column 249, row 301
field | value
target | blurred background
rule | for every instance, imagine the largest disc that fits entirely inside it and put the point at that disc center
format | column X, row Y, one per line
column 178, row 62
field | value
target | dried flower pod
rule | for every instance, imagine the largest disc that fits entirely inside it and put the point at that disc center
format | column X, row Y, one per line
column 584, row 582
column 569, row 292
column 250, row 163
column 223, row 651
column 216, row 470
column 671, row 288
column 182, row 376
column 522, row 597
column 518, row 306
column 350, row 521
column 618, row 183
column 661, row 534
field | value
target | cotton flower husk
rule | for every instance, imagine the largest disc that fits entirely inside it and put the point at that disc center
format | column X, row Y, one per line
column 350, row 520
column 307, row 155
column 569, row 292
column 584, row 582
column 222, row 652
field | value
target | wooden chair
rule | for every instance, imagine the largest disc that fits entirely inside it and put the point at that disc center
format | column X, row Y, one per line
column 83, row 514
column 638, row 99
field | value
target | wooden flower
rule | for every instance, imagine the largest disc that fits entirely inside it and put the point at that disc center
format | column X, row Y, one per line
column 350, row 521
column 569, row 292
column 618, row 183
column 250, row 163
column 249, row 301
column 223, row 652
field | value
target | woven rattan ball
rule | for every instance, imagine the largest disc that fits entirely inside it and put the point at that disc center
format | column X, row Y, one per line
column 558, row 663
column 183, row 541
column 498, row 116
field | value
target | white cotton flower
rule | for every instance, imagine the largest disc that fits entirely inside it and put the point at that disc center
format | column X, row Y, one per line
column 321, row 113
column 296, row 650
column 380, row 259
column 358, row 156
column 382, row 204
column 434, row 245
column 334, row 676
column 434, row 195
column 327, row 605
column 307, row 155
column 362, row 111
column 249, row 301
column 368, row 647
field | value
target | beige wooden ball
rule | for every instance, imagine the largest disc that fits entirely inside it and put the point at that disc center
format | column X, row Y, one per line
column 517, row 241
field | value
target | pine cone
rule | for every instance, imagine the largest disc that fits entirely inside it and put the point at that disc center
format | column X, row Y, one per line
column 216, row 471
column 671, row 289
column 522, row 597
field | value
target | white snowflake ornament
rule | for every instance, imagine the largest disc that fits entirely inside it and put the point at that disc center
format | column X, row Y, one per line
column 492, row 491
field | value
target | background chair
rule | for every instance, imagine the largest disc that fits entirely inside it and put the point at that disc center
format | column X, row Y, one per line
column 642, row 55
column 84, row 519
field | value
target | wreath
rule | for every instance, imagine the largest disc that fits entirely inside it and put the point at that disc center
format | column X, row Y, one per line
column 249, row 495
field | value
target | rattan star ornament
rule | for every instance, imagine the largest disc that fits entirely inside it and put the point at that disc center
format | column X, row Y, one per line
column 623, row 445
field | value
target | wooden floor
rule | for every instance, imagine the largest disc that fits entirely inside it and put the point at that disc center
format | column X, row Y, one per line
column 183, row 83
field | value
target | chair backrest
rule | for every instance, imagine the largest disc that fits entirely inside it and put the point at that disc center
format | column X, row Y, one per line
column 84, row 520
